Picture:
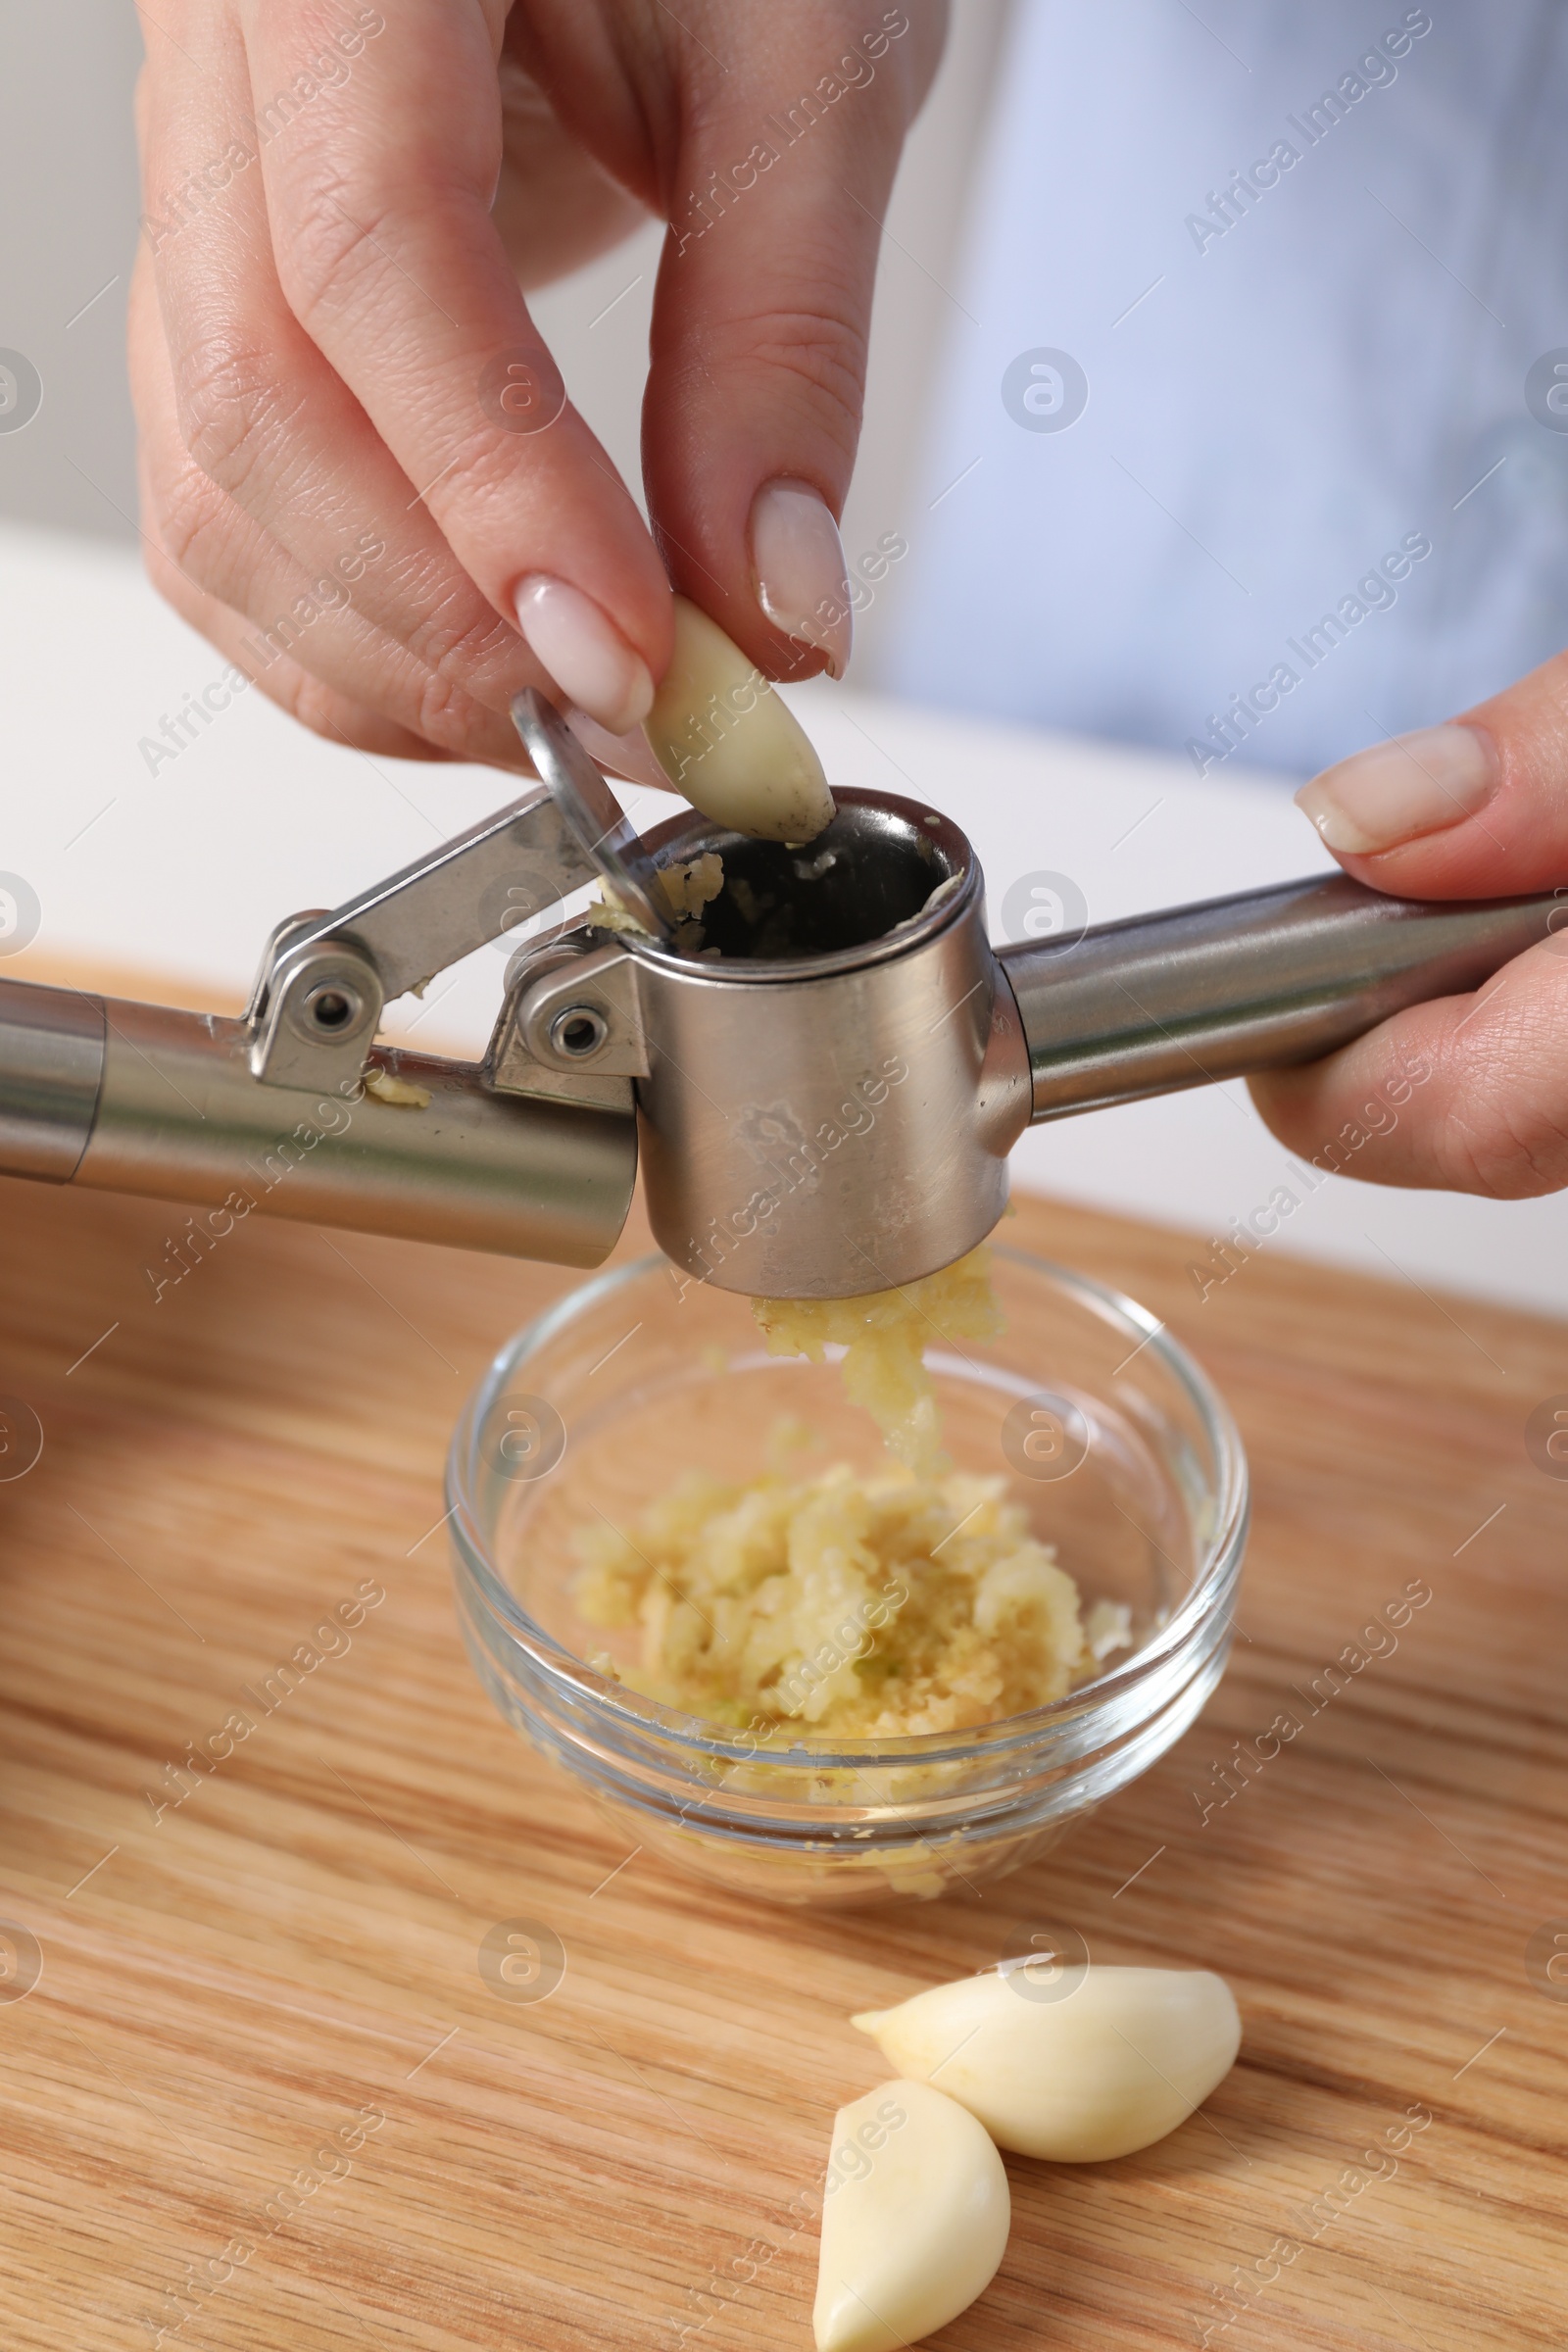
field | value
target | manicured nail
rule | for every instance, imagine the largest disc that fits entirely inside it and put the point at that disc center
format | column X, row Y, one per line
column 798, row 570
column 1410, row 785
column 629, row 756
column 585, row 653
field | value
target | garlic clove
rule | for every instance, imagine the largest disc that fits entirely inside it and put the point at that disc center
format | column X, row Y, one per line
column 726, row 740
column 1095, row 2064
column 915, row 2218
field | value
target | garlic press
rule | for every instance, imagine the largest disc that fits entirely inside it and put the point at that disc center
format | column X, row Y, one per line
column 822, row 1075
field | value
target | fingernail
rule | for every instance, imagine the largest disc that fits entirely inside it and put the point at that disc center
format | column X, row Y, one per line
column 1399, row 790
column 585, row 653
column 798, row 570
column 629, row 756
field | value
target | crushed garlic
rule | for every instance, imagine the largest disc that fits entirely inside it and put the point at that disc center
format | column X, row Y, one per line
column 686, row 890
column 860, row 1608
column 884, row 1336
column 386, row 1087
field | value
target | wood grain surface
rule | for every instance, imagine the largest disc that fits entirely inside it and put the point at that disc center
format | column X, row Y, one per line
column 260, row 2095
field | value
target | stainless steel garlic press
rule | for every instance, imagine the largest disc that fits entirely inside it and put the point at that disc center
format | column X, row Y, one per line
column 826, row 1080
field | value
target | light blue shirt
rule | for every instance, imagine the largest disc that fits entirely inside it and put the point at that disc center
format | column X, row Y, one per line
column 1302, row 262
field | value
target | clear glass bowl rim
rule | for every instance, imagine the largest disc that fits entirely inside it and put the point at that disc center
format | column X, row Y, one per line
column 1209, row 1593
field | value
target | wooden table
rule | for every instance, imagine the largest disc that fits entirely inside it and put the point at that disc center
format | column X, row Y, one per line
column 227, row 1984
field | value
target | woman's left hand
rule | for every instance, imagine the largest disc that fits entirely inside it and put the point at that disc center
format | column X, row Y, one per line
column 1467, row 1093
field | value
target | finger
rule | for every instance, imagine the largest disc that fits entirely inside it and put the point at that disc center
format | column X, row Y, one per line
column 1466, row 1093
column 761, row 320
column 555, row 207
column 256, row 425
column 314, row 620
column 1477, row 808
column 283, row 680
column 379, row 202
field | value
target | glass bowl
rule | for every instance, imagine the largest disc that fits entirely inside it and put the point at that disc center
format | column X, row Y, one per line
column 1115, row 1443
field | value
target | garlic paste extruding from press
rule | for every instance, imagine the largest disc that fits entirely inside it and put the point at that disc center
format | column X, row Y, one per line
column 883, row 1336
column 915, row 2214
column 729, row 743
column 1076, row 2064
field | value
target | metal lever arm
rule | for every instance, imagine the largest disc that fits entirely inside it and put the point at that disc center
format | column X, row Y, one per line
column 462, row 893
column 1247, row 983
column 141, row 1099
column 326, row 977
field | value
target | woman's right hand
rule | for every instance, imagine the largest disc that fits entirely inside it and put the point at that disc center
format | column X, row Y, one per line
column 356, row 482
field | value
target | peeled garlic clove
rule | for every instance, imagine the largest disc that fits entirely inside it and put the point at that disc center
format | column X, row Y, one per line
column 1086, row 2066
column 914, row 2220
column 726, row 741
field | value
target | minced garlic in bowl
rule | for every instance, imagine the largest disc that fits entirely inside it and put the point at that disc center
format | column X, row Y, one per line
column 858, row 1605
column 696, row 1517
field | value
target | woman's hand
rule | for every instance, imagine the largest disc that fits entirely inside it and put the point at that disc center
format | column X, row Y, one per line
column 1468, row 1094
column 359, row 476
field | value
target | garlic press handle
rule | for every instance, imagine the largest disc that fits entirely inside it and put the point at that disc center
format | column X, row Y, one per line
column 273, row 1111
column 125, row 1097
column 1255, row 982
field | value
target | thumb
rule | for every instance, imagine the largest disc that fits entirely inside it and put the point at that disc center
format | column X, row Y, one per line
column 761, row 317
column 1475, row 809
